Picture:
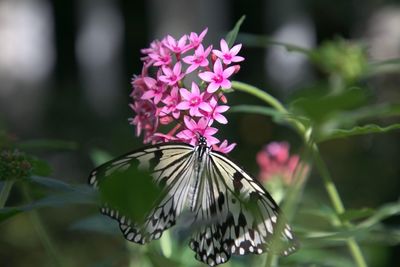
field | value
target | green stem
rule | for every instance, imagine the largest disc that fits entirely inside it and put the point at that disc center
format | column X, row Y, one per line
column 42, row 233
column 271, row 101
column 5, row 192
column 330, row 187
column 338, row 206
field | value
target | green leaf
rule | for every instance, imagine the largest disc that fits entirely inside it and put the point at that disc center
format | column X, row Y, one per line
column 47, row 144
column 52, row 183
column 319, row 104
column 265, row 41
column 349, row 118
column 7, row 213
column 40, row 167
column 358, row 130
column 81, row 194
column 131, row 191
column 99, row 156
column 355, row 214
column 384, row 66
column 388, row 210
column 97, row 223
column 231, row 36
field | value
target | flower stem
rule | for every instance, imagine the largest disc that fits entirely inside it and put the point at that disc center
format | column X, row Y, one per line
column 330, row 187
column 5, row 192
column 273, row 102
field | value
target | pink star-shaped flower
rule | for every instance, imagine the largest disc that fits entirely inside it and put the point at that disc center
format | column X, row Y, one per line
column 171, row 102
column 224, row 147
column 161, row 57
column 195, row 39
column 215, row 113
column 171, row 77
column 194, row 129
column 174, row 45
column 156, row 89
column 218, row 78
column 228, row 56
column 199, row 59
column 193, row 101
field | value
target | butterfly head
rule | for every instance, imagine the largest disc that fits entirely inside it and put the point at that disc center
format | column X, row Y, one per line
column 201, row 141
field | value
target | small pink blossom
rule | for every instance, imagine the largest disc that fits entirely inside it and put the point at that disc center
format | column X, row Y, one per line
column 216, row 111
column 156, row 89
column 176, row 46
column 199, row 59
column 224, row 147
column 171, row 102
column 161, row 57
column 275, row 161
column 194, row 129
column 195, row 40
column 145, row 118
column 163, row 138
column 193, row 101
column 218, row 78
column 228, row 56
column 172, row 77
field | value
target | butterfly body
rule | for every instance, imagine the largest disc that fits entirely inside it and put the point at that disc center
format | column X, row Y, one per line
column 234, row 213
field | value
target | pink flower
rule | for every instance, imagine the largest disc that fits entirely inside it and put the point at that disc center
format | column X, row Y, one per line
column 228, row 56
column 224, row 147
column 194, row 129
column 218, row 78
column 145, row 118
column 195, row 39
column 176, row 46
column 171, row 77
column 156, row 89
column 171, row 102
column 193, row 101
column 216, row 111
column 161, row 57
column 275, row 161
column 199, row 59
column 159, row 96
column 160, row 137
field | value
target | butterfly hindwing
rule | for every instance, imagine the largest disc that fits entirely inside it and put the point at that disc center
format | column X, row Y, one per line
column 168, row 164
column 240, row 216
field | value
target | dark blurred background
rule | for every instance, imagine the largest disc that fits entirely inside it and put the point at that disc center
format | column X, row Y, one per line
column 66, row 66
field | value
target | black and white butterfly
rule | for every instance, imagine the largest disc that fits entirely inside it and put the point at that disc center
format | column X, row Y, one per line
column 234, row 213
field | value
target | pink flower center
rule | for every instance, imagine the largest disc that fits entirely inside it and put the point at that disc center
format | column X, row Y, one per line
column 165, row 59
column 195, row 101
column 218, row 78
column 198, row 60
column 227, row 56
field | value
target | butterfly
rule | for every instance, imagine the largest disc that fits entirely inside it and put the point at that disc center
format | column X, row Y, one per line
column 235, row 215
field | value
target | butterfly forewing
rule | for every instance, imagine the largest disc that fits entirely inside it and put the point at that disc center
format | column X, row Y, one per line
column 169, row 165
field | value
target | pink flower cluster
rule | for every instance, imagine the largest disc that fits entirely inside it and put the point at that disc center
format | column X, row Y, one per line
column 181, row 87
column 274, row 160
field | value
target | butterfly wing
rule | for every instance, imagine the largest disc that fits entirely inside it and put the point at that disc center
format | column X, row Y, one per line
column 240, row 216
column 170, row 166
